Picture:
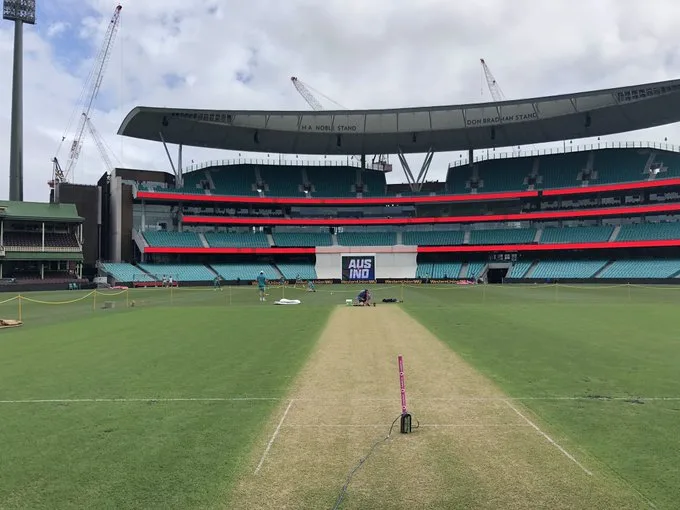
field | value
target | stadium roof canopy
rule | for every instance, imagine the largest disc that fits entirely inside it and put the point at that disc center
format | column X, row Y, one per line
column 39, row 211
column 413, row 130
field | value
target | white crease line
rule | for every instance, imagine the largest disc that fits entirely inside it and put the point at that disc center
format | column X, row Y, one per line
column 550, row 440
column 149, row 399
column 276, row 433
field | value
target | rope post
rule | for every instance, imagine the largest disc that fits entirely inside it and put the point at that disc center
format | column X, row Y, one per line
column 127, row 298
column 229, row 295
column 628, row 285
column 20, row 311
column 557, row 295
column 402, row 291
column 94, row 300
column 172, row 294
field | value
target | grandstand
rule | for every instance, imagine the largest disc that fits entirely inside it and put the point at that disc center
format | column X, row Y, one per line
column 40, row 245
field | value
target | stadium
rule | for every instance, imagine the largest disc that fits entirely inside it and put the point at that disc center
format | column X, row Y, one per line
column 529, row 298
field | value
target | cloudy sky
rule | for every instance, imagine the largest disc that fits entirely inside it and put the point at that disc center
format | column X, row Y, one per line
column 363, row 54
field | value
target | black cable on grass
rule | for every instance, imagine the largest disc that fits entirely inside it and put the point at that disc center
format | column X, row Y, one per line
column 351, row 474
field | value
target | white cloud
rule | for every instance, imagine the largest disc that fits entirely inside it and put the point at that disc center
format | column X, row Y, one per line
column 382, row 53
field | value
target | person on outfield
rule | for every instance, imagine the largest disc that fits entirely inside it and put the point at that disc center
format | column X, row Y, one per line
column 364, row 298
column 261, row 285
column 310, row 286
column 216, row 283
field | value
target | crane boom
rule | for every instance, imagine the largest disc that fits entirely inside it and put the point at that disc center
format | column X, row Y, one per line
column 94, row 82
column 494, row 88
column 99, row 142
column 306, row 94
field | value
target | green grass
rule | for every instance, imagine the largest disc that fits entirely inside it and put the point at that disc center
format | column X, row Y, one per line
column 150, row 454
column 544, row 342
column 533, row 341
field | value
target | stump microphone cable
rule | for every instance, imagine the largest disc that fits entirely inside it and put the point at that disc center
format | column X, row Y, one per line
column 361, row 462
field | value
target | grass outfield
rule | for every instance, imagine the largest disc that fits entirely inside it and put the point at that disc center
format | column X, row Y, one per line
column 555, row 348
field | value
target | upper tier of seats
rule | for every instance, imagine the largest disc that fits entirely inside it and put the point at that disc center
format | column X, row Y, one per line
column 174, row 239
column 33, row 240
column 236, row 240
column 548, row 171
column 302, row 239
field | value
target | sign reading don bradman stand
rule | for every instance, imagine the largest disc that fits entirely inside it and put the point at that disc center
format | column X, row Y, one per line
column 358, row 267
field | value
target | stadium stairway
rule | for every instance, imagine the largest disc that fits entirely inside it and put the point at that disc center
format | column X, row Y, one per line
column 539, row 233
column 400, row 237
column 270, row 240
column 466, row 239
column 615, row 234
column 463, row 270
column 204, row 241
column 531, row 269
column 335, row 240
column 603, row 269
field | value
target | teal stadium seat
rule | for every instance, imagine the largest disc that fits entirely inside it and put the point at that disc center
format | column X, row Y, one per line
column 282, row 181
column 669, row 163
column 237, row 180
column 332, row 181
column 457, row 179
column 503, row 236
column 519, row 269
column 474, row 270
column 561, row 170
column 433, row 238
column 193, row 182
column 503, row 174
column 374, row 182
column 552, row 270
column 649, row 232
column 245, row 271
column 180, row 272
column 447, row 270
column 237, row 239
column 423, row 269
column 123, row 272
column 173, row 239
column 367, row 238
column 619, row 165
column 302, row 239
column 633, row 269
column 293, row 270
column 577, row 234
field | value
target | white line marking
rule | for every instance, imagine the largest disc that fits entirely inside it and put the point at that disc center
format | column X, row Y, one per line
column 148, row 399
column 276, row 433
column 550, row 440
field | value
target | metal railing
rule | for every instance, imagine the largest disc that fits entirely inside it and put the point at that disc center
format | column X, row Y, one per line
column 567, row 148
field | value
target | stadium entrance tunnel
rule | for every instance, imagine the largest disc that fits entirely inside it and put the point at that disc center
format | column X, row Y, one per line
column 497, row 275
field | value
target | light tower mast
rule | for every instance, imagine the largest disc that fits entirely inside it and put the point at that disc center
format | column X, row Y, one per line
column 19, row 11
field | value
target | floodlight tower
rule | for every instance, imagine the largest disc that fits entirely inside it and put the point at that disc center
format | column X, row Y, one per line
column 19, row 11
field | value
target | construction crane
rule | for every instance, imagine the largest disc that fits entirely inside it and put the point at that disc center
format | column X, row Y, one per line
column 104, row 149
column 89, row 93
column 306, row 92
column 494, row 88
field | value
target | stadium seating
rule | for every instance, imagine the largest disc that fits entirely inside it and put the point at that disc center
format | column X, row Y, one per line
column 367, row 238
column 561, row 170
column 649, row 231
column 551, row 270
column 33, row 240
column 332, row 181
column 519, row 269
column 619, row 165
column 234, row 180
column 124, row 272
column 294, row 270
column 577, row 234
column 474, row 270
column 632, row 269
column 374, row 182
column 302, row 239
column 245, row 271
column 503, row 236
column 236, row 239
column 446, row 270
column 180, row 272
column 433, row 238
column 503, row 174
column 174, row 239
column 282, row 181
